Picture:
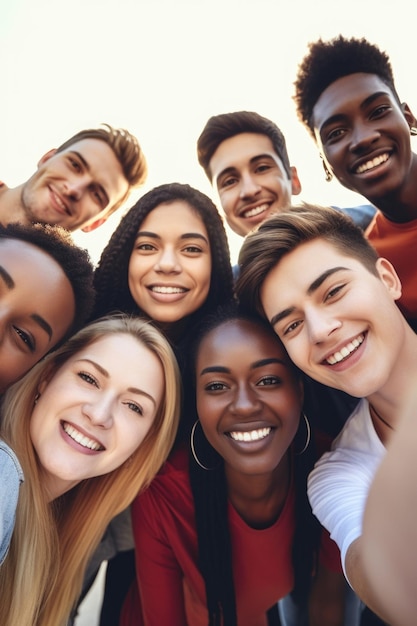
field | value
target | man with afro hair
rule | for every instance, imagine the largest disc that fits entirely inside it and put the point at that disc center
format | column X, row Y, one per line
column 346, row 97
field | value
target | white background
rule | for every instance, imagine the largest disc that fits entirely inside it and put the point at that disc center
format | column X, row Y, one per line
column 161, row 68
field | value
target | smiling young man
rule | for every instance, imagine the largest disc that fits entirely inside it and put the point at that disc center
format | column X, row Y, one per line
column 332, row 301
column 346, row 97
column 244, row 155
column 80, row 184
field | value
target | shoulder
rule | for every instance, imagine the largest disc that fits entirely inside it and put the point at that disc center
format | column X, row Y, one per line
column 9, row 463
column 356, row 451
column 171, row 485
column 362, row 215
column 11, row 477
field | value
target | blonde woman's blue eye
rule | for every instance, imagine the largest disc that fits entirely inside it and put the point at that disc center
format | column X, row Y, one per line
column 134, row 407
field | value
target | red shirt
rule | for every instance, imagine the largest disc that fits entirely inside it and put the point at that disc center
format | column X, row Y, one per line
column 171, row 586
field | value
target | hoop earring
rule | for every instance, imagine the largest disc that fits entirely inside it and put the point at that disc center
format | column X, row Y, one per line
column 193, row 452
column 307, row 443
column 413, row 131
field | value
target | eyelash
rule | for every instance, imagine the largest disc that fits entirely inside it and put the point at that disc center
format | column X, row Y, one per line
column 215, row 386
column 134, row 407
column 25, row 338
column 88, row 378
column 274, row 380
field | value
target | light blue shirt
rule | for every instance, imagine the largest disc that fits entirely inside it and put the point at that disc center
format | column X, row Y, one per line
column 11, row 475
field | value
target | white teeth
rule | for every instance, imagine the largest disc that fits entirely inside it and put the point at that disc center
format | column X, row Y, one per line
column 168, row 290
column 373, row 163
column 59, row 202
column 345, row 351
column 255, row 211
column 84, row 441
column 251, row 435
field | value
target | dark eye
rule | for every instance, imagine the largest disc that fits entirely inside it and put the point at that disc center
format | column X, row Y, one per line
column 193, row 249
column 292, row 327
column 215, row 386
column 134, row 407
column 146, row 247
column 381, row 110
column 88, row 378
column 263, row 167
column 26, row 338
column 269, row 380
column 335, row 134
column 75, row 165
column 334, row 292
column 228, row 182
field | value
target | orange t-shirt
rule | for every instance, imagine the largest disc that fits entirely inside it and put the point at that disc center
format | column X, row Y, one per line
column 398, row 243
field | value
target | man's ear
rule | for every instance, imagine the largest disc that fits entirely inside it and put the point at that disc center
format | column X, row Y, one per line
column 98, row 222
column 389, row 277
column 410, row 117
column 295, row 182
column 46, row 157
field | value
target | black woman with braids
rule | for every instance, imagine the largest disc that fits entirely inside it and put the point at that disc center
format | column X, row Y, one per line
column 167, row 261
column 225, row 529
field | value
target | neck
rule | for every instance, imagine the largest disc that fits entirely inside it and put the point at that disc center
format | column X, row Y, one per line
column 260, row 498
column 11, row 208
column 400, row 205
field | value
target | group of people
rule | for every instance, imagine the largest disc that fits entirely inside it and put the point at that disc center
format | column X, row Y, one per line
column 213, row 432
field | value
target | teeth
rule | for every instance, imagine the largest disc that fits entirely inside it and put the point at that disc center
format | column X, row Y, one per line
column 345, row 351
column 258, row 209
column 59, row 202
column 168, row 290
column 373, row 163
column 251, row 435
column 81, row 439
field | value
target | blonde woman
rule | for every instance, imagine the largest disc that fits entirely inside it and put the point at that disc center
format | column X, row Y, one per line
column 90, row 426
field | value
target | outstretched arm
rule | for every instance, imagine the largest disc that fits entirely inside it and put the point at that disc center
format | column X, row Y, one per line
column 389, row 552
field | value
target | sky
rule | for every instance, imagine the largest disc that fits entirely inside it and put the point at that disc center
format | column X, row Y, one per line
column 161, row 68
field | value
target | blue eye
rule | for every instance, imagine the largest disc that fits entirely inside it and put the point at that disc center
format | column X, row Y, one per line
column 134, row 407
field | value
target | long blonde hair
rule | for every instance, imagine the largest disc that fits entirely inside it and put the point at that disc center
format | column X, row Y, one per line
column 42, row 575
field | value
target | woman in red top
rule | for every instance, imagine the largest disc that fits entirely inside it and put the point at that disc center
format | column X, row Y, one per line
column 225, row 532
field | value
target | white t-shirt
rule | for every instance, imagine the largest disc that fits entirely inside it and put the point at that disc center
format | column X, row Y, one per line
column 339, row 484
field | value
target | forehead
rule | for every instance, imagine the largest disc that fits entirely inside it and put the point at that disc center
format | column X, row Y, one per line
column 124, row 356
column 299, row 269
column 40, row 285
column 25, row 261
column 239, row 150
column 246, row 337
column 348, row 91
column 178, row 216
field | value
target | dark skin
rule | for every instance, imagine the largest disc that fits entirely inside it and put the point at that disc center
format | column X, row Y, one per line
column 363, row 134
column 249, row 401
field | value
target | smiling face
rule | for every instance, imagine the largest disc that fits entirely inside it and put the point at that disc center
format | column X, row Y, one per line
column 251, row 180
column 96, row 410
column 170, row 266
column 76, row 187
column 248, row 398
column 37, row 307
column 365, row 137
column 337, row 320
